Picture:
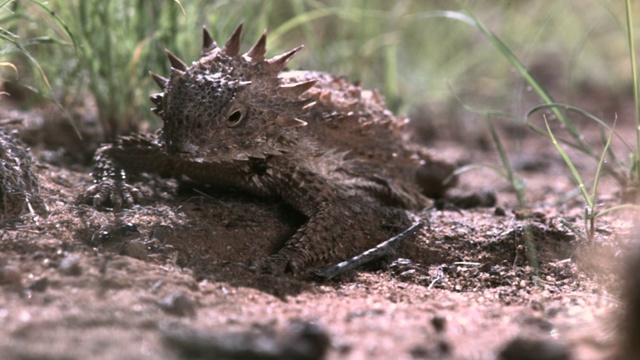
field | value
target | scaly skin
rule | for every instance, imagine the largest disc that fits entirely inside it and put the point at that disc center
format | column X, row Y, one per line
column 19, row 188
column 327, row 147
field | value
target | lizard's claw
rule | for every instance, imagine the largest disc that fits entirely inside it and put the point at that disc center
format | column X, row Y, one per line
column 116, row 193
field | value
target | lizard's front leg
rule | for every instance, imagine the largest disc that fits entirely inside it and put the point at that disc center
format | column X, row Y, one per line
column 317, row 240
column 113, row 162
column 340, row 224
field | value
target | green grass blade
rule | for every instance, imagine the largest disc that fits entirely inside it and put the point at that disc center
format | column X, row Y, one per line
column 580, row 111
column 587, row 217
column 573, row 229
column 569, row 163
column 618, row 208
column 299, row 20
column 522, row 70
column 466, row 168
column 35, row 63
column 621, row 178
column 184, row 13
column 43, row 6
column 634, row 74
column 13, row 40
column 530, row 244
column 575, row 192
column 515, row 183
column 491, row 113
column 601, row 161
column 567, row 107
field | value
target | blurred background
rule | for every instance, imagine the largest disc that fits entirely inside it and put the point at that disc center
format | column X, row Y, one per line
column 426, row 57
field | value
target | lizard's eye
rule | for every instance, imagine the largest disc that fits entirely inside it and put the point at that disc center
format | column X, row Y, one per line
column 235, row 117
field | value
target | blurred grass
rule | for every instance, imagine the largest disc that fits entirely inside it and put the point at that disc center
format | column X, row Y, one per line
column 405, row 48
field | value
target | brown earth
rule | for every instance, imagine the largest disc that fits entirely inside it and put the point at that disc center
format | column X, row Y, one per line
column 168, row 278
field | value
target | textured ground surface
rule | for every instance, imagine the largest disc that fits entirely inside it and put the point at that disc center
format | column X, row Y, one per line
column 167, row 279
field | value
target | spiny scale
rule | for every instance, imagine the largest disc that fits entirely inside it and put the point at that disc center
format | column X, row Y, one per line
column 156, row 98
column 301, row 104
column 297, row 88
column 277, row 63
column 232, row 46
column 160, row 80
column 176, row 63
column 208, row 43
column 258, row 51
column 290, row 122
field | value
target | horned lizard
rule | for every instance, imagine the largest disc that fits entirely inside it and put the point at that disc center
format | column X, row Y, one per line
column 326, row 146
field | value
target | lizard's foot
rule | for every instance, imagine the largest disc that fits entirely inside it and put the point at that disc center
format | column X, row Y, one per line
column 116, row 193
column 279, row 264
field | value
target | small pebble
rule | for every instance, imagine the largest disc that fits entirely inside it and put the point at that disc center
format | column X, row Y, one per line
column 10, row 275
column 135, row 249
column 179, row 304
column 534, row 349
column 420, row 352
column 305, row 341
column 486, row 267
column 439, row 323
column 70, row 265
column 40, row 285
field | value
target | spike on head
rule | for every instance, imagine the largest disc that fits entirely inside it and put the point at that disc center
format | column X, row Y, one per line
column 208, row 43
column 175, row 73
column 176, row 63
column 258, row 50
column 156, row 98
column 232, row 46
column 289, row 122
column 161, row 81
column 301, row 104
column 297, row 88
column 277, row 63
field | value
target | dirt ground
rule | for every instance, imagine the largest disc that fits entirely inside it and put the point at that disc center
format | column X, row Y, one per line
column 168, row 278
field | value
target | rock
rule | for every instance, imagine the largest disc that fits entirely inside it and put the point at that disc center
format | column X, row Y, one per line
column 534, row 349
column 70, row 265
column 10, row 275
column 179, row 304
column 135, row 249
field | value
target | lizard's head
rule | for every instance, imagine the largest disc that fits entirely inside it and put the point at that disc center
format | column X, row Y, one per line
column 229, row 105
